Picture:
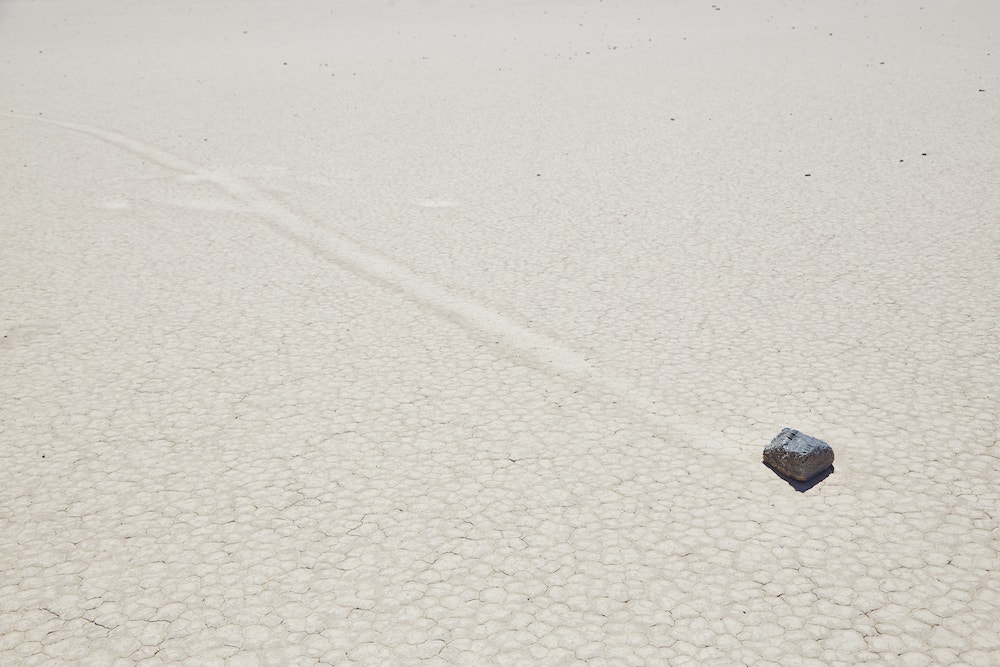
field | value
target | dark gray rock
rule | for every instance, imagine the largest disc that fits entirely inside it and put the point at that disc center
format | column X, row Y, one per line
column 797, row 455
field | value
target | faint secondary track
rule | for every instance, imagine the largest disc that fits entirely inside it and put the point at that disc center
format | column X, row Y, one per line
column 526, row 346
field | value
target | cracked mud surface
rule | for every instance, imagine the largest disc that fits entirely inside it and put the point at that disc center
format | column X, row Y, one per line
column 466, row 351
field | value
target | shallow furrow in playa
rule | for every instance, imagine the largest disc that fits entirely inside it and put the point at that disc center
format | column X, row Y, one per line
column 527, row 346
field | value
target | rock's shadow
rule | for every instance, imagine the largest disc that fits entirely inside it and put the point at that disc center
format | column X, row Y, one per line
column 802, row 487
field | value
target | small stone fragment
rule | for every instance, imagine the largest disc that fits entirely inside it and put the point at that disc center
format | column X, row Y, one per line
column 797, row 455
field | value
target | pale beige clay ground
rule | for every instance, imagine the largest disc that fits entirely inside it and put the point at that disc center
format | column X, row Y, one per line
column 383, row 331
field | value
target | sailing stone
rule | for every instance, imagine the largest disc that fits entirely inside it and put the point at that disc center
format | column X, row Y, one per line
column 797, row 455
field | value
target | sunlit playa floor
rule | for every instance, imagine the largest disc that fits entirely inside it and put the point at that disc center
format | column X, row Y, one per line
column 426, row 330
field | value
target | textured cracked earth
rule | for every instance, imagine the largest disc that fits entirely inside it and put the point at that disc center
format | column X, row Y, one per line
column 423, row 331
